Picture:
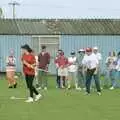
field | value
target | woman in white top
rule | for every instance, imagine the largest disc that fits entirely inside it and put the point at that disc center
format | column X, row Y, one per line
column 111, row 68
column 118, row 69
column 72, row 69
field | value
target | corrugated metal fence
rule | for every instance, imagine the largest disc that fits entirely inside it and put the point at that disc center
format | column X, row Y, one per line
column 67, row 43
column 104, row 43
column 8, row 42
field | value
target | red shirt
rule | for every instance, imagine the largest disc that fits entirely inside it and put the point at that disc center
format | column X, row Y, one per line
column 30, row 58
column 62, row 61
column 44, row 60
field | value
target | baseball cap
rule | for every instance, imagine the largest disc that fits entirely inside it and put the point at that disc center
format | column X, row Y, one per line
column 81, row 50
column 43, row 47
column 88, row 49
column 72, row 53
column 95, row 48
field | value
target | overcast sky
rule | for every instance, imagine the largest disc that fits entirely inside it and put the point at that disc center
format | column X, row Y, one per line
column 63, row 8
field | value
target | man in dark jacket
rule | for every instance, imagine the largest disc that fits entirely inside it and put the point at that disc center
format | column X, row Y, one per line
column 43, row 62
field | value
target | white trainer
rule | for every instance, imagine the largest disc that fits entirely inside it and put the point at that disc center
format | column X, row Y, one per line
column 112, row 88
column 99, row 93
column 78, row 88
column 68, row 87
column 38, row 97
column 45, row 88
column 39, row 88
column 29, row 100
column 84, row 88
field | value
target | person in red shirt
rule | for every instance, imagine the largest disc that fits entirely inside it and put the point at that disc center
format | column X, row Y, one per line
column 43, row 62
column 62, row 64
column 28, row 60
column 57, row 77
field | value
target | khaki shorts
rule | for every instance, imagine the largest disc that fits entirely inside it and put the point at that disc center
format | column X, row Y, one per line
column 10, row 68
column 63, row 72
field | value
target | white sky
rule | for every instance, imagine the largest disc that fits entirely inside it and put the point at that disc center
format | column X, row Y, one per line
column 63, row 8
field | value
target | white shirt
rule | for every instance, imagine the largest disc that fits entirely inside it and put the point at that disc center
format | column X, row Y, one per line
column 111, row 62
column 90, row 61
column 73, row 67
column 36, row 59
column 118, row 65
column 99, row 56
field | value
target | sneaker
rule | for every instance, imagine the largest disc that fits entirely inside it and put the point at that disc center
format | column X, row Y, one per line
column 10, row 87
column 68, row 87
column 112, row 88
column 39, row 88
column 45, row 88
column 86, row 93
column 62, row 87
column 78, row 88
column 38, row 97
column 84, row 88
column 15, row 85
column 30, row 99
column 101, row 88
column 99, row 93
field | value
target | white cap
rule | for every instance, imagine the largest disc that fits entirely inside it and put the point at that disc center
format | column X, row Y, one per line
column 81, row 50
column 95, row 48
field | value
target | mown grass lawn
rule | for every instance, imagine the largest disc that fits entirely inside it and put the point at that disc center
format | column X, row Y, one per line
column 58, row 104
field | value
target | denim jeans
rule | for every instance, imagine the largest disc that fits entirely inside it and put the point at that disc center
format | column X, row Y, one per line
column 81, row 79
column 42, row 79
column 72, row 78
column 112, row 74
column 89, row 75
column 118, row 78
column 57, row 79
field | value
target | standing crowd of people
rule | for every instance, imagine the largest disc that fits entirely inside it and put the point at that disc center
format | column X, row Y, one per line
column 79, row 68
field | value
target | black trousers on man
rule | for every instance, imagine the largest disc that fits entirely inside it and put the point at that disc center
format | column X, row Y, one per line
column 29, row 82
column 89, row 75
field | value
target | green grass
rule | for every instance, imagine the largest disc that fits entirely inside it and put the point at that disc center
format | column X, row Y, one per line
column 58, row 104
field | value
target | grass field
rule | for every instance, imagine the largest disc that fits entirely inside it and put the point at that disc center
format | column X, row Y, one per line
column 59, row 104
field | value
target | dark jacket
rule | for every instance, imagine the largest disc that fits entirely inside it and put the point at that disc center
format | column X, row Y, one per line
column 43, row 60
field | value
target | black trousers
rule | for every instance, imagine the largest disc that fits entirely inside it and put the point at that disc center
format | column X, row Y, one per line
column 29, row 82
column 89, row 75
column 58, row 81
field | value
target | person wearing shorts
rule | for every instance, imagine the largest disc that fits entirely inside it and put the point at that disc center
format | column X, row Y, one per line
column 62, row 63
column 72, row 71
column 10, row 70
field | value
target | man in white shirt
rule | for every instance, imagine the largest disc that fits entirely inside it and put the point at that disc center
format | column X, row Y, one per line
column 98, row 55
column 91, row 63
column 72, row 69
column 80, row 69
column 99, row 58
column 118, row 69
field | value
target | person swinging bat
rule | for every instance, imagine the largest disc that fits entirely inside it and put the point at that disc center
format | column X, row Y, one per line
column 29, row 62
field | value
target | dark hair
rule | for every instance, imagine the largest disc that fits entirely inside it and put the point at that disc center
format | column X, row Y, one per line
column 43, row 47
column 113, row 53
column 72, row 53
column 118, row 53
column 60, row 50
column 27, row 47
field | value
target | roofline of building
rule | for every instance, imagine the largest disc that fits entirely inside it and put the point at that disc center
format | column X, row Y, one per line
column 62, row 34
column 65, row 19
